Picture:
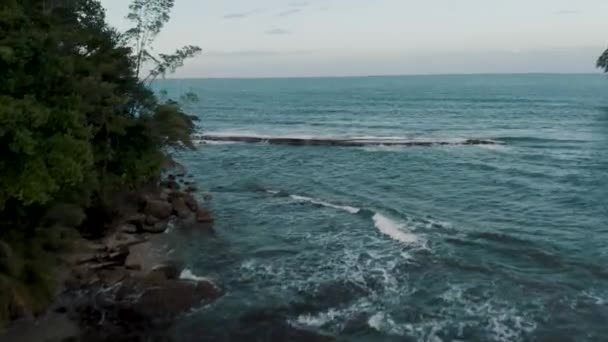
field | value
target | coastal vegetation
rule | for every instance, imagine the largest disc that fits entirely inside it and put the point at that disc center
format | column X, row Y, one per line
column 602, row 61
column 78, row 125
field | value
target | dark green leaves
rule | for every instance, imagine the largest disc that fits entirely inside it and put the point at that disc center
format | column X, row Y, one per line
column 602, row 61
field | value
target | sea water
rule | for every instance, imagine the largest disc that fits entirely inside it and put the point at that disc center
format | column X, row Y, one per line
column 505, row 242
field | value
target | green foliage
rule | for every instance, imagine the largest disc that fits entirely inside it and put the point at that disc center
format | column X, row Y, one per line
column 77, row 125
column 602, row 61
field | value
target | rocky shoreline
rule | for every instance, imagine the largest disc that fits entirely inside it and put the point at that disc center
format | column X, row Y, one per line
column 124, row 286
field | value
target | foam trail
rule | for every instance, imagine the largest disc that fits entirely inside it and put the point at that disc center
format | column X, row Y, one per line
column 347, row 208
column 393, row 229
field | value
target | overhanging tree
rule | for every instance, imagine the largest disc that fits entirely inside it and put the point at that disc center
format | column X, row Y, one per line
column 77, row 122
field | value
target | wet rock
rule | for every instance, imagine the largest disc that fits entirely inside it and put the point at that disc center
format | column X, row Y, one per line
column 172, row 297
column 191, row 188
column 173, row 185
column 151, row 220
column 165, row 194
column 203, row 216
column 158, row 209
column 120, row 242
column 171, row 177
column 158, row 228
column 207, row 197
column 139, row 309
column 133, row 267
column 138, row 220
column 191, row 202
column 180, row 208
column 128, row 228
column 163, row 272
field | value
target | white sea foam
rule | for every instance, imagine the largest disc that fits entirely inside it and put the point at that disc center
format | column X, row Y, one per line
column 494, row 147
column 384, row 323
column 318, row 320
column 395, row 230
column 212, row 142
column 188, row 275
column 347, row 208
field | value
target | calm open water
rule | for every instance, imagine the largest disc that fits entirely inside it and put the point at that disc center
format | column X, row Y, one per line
column 443, row 243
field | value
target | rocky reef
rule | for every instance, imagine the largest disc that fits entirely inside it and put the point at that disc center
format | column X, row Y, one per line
column 355, row 142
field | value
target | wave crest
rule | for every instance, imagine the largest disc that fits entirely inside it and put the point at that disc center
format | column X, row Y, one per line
column 395, row 230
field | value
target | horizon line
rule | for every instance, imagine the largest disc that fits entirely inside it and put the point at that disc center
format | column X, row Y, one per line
column 385, row 75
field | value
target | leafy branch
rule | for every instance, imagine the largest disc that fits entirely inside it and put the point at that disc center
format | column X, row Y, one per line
column 149, row 17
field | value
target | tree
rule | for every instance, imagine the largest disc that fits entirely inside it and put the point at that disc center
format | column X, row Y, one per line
column 149, row 17
column 77, row 125
column 602, row 61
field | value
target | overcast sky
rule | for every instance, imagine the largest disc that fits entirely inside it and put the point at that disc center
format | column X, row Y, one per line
column 281, row 38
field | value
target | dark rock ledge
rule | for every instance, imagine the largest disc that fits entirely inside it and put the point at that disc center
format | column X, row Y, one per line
column 342, row 142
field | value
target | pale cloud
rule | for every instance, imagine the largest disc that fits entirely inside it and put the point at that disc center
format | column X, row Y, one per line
column 240, row 15
column 277, row 31
column 567, row 12
column 289, row 12
column 255, row 53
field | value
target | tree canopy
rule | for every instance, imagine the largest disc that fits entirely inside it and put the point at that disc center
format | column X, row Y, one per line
column 77, row 121
column 602, row 61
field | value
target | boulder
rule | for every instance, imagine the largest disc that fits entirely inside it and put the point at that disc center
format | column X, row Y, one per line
column 170, row 298
column 138, row 220
column 128, row 228
column 191, row 202
column 158, row 228
column 138, row 309
column 180, row 208
column 163, row 272
column 165, row 194
column 203, row 216
column 159, row 209
column 171, row 184
column 151, row 220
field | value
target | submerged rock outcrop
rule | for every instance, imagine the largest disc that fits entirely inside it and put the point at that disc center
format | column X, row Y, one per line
column 356, row 142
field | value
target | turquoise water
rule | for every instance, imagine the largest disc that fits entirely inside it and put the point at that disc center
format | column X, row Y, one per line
column 505, row 242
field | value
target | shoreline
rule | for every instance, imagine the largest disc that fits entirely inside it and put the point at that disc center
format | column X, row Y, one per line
column 126, row 274
column 125, row 286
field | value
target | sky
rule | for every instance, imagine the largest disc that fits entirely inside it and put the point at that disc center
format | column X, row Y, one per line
column 307, row 38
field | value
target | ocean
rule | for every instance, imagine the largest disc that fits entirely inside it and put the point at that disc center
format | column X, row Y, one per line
column 501, row 242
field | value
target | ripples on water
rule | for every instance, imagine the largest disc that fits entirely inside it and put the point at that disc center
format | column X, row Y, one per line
column 474, row 243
